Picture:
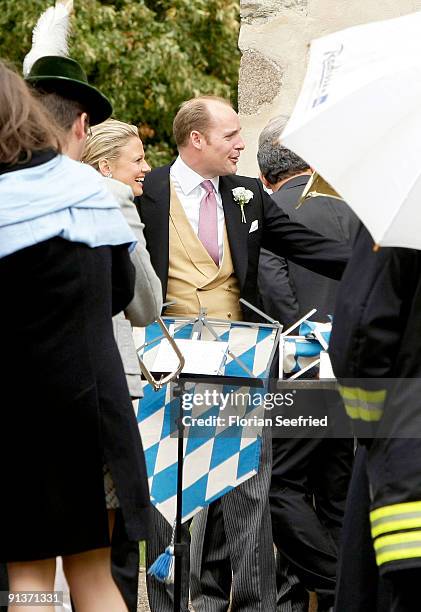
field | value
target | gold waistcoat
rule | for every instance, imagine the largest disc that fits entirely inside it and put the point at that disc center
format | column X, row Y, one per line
column 194, row 280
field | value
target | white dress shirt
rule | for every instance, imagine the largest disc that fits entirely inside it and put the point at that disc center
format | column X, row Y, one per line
column 187, row 184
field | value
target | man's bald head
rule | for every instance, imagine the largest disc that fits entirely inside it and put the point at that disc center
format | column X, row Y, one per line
column 195, row 115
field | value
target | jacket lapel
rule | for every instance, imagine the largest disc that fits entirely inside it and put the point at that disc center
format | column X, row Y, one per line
column 237, row 230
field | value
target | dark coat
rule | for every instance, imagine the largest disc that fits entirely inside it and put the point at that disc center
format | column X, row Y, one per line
column 65, row 407
column 375, row 346
column 289, row 291
column 276, row 232
column 377, row 319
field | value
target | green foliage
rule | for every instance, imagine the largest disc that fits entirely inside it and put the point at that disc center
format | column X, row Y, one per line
column 146, row 55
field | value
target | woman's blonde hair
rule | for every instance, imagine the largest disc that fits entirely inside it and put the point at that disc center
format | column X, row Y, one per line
column 105, row 141
column 25, row 126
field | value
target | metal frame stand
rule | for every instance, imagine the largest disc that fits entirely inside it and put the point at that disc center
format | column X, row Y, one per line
column 180, row 548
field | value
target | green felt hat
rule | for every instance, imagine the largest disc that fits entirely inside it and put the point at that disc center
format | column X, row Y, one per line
column 64, row 76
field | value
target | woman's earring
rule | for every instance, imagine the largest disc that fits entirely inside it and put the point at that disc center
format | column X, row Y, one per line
column 109, row 175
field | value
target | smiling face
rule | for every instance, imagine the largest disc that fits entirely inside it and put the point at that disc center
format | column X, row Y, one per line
column 130, row 166
column 222, row 144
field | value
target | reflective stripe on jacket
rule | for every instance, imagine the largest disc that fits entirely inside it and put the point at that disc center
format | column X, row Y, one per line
column 396, row 531
column 363, row 404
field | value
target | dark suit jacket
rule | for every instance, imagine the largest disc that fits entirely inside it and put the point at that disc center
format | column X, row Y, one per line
column 276, row 232
column 289, row 291
column 65, row 402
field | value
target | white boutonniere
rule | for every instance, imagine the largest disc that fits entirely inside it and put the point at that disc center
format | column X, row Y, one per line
column 242, row 196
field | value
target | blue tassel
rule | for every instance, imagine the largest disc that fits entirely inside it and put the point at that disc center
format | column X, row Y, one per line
column 163, row 568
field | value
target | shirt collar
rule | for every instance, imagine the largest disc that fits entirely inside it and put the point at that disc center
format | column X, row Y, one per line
column 187, row 178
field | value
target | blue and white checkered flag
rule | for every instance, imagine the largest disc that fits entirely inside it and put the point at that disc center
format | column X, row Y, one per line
column 224, row 450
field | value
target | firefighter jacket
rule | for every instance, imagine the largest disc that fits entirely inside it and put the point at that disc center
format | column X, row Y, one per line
column 375, row 349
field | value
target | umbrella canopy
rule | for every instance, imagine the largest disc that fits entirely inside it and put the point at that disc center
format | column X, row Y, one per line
column 357, row 121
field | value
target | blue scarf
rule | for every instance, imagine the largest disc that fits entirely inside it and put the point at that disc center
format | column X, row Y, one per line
column 59, row 198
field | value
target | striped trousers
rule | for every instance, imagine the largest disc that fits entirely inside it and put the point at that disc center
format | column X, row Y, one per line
column 242, row 525
column 232, row 558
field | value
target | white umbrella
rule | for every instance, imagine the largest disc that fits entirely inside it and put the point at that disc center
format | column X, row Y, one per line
column 358, row 123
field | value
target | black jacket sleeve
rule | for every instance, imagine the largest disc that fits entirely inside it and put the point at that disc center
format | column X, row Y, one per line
column 278, row 297
column 300, row 244
column 372, row 309
column 123, row 277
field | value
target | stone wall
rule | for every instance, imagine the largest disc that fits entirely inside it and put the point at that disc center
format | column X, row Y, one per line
column 274, row 41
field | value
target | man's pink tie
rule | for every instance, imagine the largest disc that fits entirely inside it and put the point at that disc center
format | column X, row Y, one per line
column 208, row 221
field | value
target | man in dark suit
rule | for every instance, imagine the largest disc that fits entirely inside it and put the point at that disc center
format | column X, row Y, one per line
column 205, row 247
column 310, row 476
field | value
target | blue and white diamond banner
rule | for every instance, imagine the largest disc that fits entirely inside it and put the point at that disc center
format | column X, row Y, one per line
column 223, row 422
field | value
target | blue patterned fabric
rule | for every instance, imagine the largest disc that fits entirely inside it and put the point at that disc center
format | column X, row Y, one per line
column 301, row 352
column 220, row 455
column 63, row 198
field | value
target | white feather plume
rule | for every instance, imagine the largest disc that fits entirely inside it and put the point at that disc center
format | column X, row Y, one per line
column 49, row 36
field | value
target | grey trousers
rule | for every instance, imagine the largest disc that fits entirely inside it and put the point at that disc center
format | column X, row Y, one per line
column 238, row 524
column 292, row 595
column 160, row 595
column 243, row 527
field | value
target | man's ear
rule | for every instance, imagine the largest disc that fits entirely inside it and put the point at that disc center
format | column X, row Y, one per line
column 104, row 167
column 79, row 127
column 265, row 181
column 196, row 139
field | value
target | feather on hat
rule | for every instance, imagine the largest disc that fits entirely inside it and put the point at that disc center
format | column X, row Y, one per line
column 48, row 67
column 50, row 34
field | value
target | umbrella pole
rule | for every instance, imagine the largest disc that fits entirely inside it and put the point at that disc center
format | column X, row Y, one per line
column 179, row 547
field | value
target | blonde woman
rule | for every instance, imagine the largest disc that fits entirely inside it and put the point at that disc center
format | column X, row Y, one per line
column 115, row 150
